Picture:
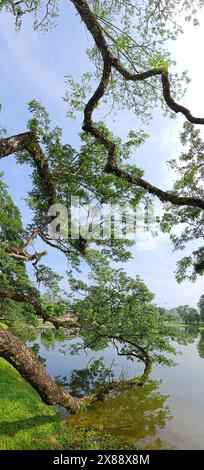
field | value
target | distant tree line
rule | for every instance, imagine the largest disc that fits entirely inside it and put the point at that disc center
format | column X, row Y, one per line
column 185, row 313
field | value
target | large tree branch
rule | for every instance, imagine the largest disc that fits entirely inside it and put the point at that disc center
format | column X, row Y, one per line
column 140, row 354
column 111, row 146
column 28, row 141
column 30, row 368
column 110, row 61
column 90, row 20
column 67, row 324
column 15, row 143
column 164, row 196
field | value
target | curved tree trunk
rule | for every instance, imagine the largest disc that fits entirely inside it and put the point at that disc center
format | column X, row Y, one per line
column 30, row 368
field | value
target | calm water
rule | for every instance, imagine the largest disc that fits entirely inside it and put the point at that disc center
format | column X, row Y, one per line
column 167, row 412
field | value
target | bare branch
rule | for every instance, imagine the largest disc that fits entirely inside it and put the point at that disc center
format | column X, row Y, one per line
column 21, row 254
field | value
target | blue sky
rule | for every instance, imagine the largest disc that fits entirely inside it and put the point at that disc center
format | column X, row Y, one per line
column 34, row 66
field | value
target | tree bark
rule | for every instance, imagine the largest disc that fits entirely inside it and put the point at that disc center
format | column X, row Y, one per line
column 30, row 368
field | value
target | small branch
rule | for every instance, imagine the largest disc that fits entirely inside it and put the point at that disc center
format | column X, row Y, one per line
column 30, row 240
column 21, row 254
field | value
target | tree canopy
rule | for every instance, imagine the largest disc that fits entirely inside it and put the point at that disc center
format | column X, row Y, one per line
column 188, row 314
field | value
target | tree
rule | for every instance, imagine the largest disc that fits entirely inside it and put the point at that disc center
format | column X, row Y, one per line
column 55, row 305
column 167, row 315
column 12, row 262
column 188, row 314
column 129, row 320
column 201, row 307
column 127, row 38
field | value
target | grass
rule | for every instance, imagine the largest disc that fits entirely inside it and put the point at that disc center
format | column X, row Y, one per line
column 200, row 325
column 27, row 423
column 44, row 325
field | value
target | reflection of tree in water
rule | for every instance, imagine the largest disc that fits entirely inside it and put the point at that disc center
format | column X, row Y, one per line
column 200, row 345
column 36, row 348
column 49, row 338
column 188, row 336
column 86, row 380
column 135, row 414
column 183, row 335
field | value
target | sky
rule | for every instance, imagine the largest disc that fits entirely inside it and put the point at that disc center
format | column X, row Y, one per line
column 34, row 65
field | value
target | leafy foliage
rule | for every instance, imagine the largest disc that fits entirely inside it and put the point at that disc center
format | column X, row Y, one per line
column 190, row 168
column 117, row 308
column 188, row 314
column 80, row 174
column 13, row 271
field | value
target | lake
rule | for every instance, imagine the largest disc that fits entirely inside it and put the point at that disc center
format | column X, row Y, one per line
column 165, row 413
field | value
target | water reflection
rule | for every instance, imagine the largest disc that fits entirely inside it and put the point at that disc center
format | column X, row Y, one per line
column 84, row 381
column 140, row 415
column 49, row 338
column 200, row 345
column 135, row 415
column 36, row 349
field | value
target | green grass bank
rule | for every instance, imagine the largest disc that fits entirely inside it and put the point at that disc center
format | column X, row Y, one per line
column 27, row 423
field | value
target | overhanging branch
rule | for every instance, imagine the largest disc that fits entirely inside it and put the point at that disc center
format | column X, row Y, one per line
column 111, row 146
column 89, row 126
column 96, row 31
